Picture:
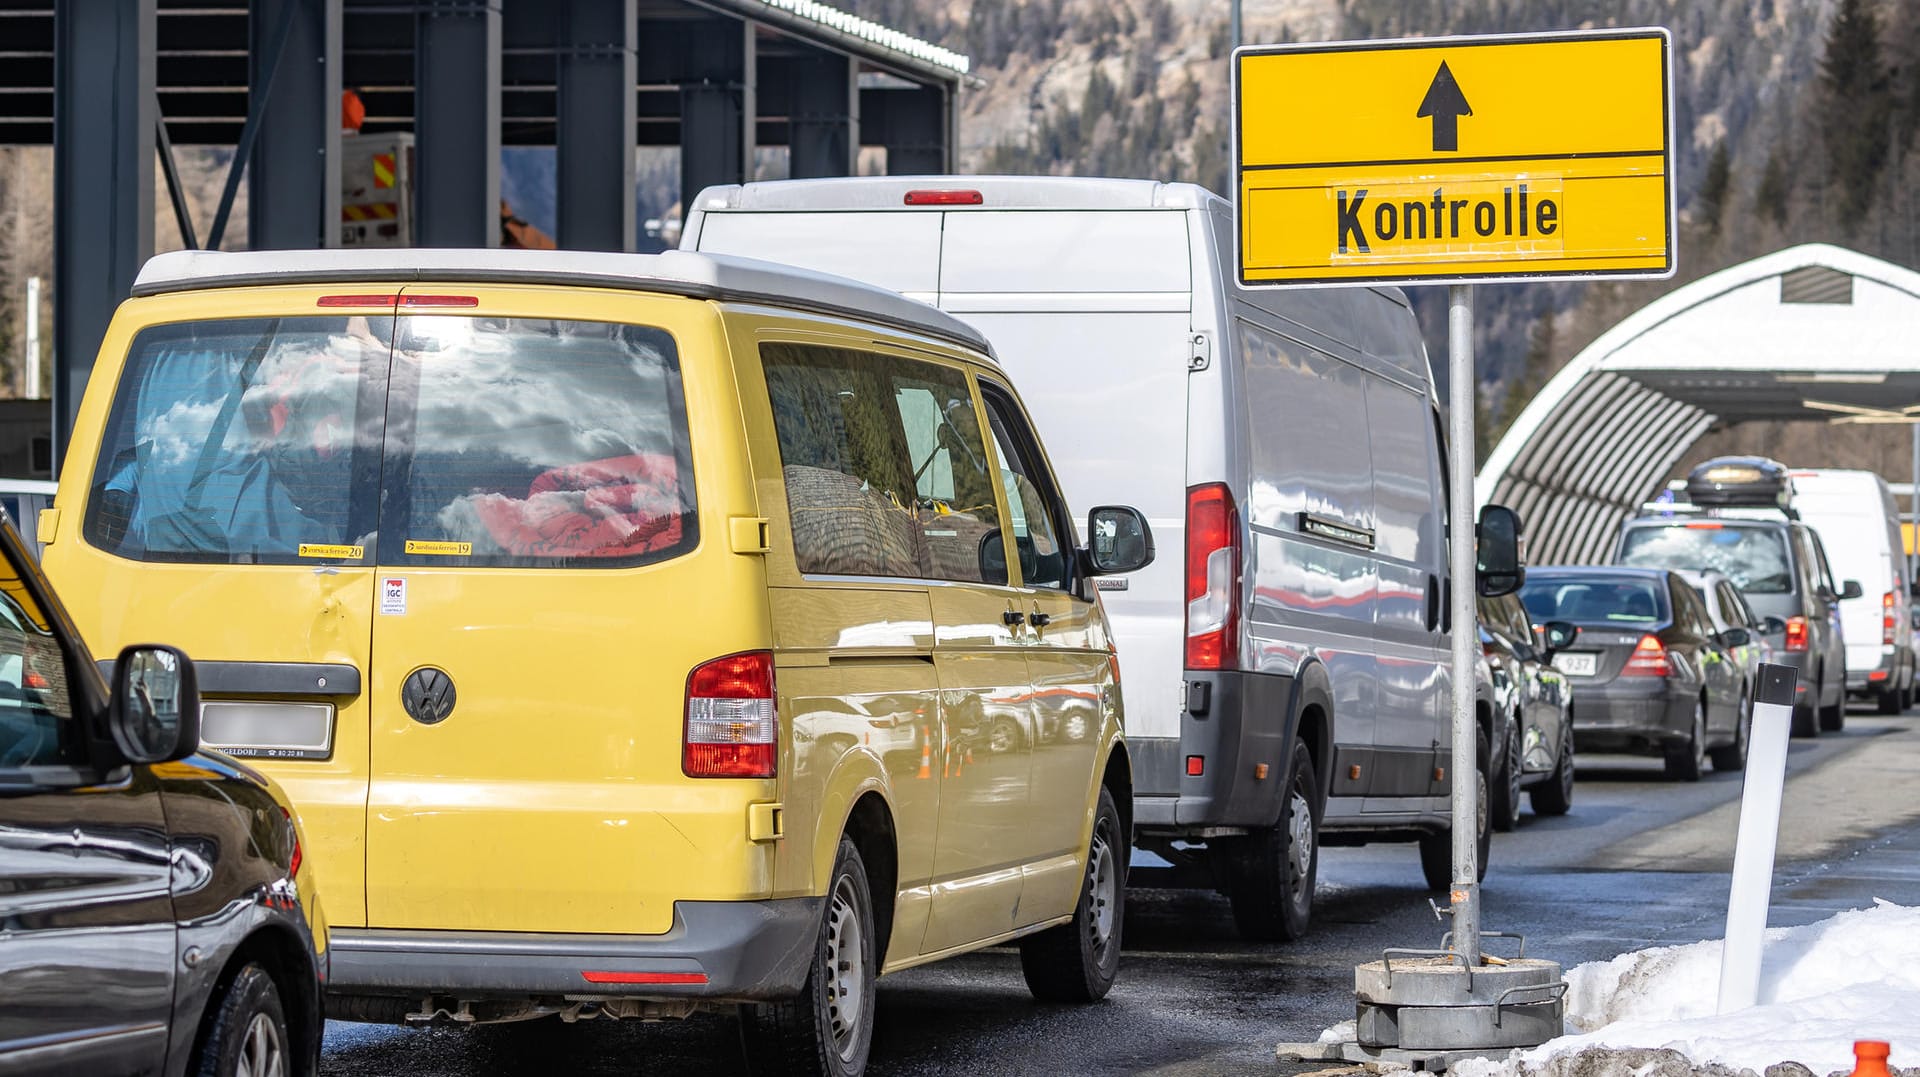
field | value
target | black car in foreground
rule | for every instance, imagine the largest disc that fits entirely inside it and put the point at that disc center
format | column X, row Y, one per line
column 155, row 917
column 1648, row 670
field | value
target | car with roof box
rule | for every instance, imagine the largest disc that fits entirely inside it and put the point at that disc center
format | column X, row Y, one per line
column 1739, row 520
column 631, row 631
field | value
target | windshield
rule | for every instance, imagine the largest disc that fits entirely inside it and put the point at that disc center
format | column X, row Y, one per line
column 1754, row 558
column 1594, row 601
column 465, row 441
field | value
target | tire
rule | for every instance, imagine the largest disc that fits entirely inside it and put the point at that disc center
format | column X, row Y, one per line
column 1733, row 757
column 1077, row 961
column 246, row 1031
column 1687, row 761
column 1806, row 721
column 1506, row 786
column 1436, row 849
column 1833, row 719
column 828, row 1027
column 1272, row 872
column 1555, row 795
column 1891, row 701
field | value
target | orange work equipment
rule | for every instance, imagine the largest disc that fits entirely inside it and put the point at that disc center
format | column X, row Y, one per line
column 353, row 111
column 1870, row 1058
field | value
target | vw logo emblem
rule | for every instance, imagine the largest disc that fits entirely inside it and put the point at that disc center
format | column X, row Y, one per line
column 428, row 695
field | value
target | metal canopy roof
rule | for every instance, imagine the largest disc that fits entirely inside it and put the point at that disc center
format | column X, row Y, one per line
column 1814, row 332
column 201, row 64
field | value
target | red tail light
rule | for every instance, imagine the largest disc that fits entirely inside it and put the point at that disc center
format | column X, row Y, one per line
column 731, row 730
column 293, row 860
column 439, row 300
column 1649, row 659
column 358, row 300
column 1796, row 633
column 1213, row 578
column 944, row 198
column 1886, row 617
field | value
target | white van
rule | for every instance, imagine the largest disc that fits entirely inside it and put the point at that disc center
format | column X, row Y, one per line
column 1286, row 672
column 1859, row 524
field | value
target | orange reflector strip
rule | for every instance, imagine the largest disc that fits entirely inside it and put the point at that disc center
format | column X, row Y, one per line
column 644, row 977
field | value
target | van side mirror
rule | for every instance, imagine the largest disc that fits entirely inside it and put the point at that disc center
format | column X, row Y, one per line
column 154, row 715
column 1772, row 625
column 1118, row 541
column 1501, row 571
column 1851, row 589
column 993, row 557
column 1734, row 637
column 1560, row 635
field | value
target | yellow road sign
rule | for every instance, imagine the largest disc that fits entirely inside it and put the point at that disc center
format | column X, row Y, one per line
column 1455, row 159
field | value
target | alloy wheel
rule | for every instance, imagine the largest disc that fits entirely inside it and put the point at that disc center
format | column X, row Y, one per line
column 261, row 1053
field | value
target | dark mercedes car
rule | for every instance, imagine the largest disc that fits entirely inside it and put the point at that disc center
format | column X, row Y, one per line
column 155, row 916
column 1649, row 672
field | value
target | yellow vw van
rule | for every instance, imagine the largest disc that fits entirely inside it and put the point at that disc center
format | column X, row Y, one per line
column 636, row 635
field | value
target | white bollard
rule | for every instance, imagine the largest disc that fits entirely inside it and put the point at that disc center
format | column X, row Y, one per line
column 1766, row 780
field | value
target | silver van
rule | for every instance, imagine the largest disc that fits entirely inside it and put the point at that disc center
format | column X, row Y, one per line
column 1286, row 676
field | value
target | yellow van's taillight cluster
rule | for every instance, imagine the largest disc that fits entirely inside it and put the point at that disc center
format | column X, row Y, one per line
column 732, row 730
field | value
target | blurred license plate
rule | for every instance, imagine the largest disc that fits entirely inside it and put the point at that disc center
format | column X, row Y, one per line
column 1576, row 665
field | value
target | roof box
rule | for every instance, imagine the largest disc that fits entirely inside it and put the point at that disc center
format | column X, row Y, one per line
column 1741, row 481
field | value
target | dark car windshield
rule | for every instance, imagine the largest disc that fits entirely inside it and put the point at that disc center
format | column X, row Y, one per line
column 1595, row 600
column 1753, row 557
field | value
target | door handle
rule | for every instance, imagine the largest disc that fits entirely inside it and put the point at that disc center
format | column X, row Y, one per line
column 1013, row 618
column 1040, row 620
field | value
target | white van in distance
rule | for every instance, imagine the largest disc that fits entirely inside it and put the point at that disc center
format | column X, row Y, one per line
column 1286, row 660
column 1859, row 524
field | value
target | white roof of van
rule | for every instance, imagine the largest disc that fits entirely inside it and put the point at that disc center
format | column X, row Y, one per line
column 996, row 192
column 701, row 276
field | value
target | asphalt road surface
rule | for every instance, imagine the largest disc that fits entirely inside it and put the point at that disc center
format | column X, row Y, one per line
column 1640, row 861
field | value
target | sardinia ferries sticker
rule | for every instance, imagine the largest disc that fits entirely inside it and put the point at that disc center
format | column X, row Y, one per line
column 332, row 552
column 393, row 594
column 440, row 549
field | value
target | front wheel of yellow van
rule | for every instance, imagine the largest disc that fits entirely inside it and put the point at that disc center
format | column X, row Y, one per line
column 1077, row 961
column 828, row 1028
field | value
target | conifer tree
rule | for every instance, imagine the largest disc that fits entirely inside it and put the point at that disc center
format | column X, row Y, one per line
column 1856, row 105
column 1713, row 188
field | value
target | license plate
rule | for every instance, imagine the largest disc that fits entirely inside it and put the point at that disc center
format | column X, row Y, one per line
column 1576, row 665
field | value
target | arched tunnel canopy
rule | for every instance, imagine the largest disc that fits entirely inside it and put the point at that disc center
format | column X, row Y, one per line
column 1811, row 332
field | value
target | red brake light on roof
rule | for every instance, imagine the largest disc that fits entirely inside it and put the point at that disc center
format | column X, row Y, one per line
column 439, row 300
column 358, row 300
column 1704, row 525
column 1649, row 659
column 1796, row 633
column 731, row 729
column 944, row 198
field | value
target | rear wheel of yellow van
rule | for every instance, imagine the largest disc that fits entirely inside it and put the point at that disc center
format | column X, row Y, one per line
column 828, row 1027
column 1078, row 960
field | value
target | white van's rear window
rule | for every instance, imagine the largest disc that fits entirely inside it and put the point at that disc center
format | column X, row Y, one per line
column 417, row 440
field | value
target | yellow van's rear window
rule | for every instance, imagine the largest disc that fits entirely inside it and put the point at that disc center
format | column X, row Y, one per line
column 421, row 439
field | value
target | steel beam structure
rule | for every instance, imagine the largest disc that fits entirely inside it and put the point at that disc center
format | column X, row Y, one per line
column 103, row 155
column 291, row 201
column 595, row 73
column 718, row 102
column 456, row 105
column 915, row 125
column 823, row 114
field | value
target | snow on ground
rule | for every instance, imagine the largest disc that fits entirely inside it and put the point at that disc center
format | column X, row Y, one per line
column 1855, row 976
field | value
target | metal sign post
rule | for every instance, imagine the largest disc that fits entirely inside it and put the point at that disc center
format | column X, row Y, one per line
column 1466, row 784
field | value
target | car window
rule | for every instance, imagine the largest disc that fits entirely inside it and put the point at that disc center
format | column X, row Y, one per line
column 1595, row 600
column 422, row 440
column 1754, row 558
column 1691, row 613
column 884, row 465
column 1820, row 559
column 1040, row 534
column 36, row 708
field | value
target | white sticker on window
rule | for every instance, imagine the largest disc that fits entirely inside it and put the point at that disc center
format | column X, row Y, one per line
column 393, row 594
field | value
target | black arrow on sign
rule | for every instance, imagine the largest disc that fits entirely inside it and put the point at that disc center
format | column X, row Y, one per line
column 1446, row 104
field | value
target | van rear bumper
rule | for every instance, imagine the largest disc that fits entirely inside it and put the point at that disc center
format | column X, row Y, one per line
column 716, row 950
column 1233, row 721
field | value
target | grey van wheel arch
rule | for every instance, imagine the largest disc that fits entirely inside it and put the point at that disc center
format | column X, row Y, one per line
column 1312, row 691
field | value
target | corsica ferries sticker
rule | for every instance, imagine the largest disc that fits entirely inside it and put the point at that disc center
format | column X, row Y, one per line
column 332, row 552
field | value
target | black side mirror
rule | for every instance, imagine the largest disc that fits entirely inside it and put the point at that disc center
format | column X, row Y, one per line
column 1501, row 571
column 1560, row 635
column 1772, row 626
column 154, row 715
column 1915, row 614
column 1118, row 540
column 1851, row 589
column 1734, row 637
column 993, row 557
